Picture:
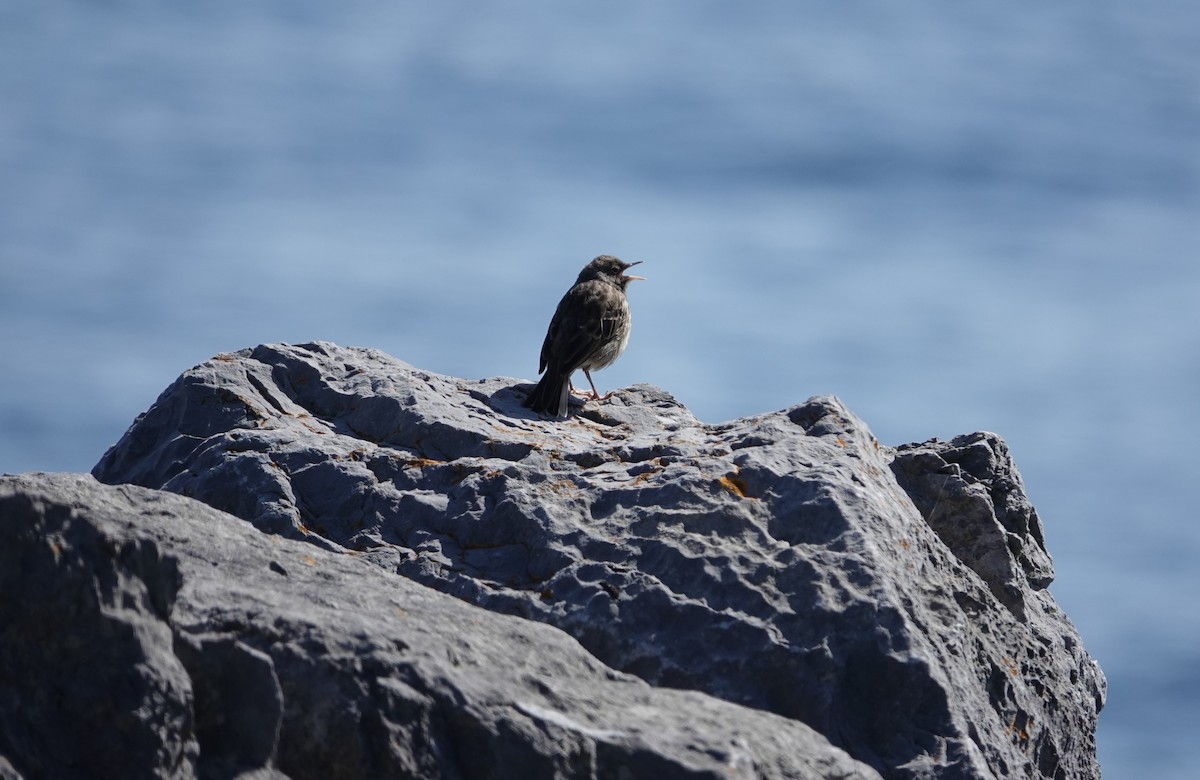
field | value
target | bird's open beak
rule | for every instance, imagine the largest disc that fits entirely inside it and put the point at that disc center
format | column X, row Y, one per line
column 631, row 277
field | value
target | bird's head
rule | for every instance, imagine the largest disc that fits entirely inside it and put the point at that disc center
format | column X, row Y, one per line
column 609, row 268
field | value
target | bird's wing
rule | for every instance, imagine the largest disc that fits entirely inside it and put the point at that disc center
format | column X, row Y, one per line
column 584, row 319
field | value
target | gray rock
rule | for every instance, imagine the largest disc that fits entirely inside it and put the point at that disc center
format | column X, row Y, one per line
column 143, row 634
column 88, row 676
column 970, row 493
column 893, row 600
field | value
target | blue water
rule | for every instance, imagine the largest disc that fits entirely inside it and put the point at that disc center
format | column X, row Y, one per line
column 954, row 216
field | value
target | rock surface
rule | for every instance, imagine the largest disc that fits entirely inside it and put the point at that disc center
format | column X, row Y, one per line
column 892, row 600
column 143, row 634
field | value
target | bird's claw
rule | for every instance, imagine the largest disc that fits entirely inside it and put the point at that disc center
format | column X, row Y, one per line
column 592, row 395
column 589, row 395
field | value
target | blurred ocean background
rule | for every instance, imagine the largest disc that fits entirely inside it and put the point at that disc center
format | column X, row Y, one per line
column 956, row 217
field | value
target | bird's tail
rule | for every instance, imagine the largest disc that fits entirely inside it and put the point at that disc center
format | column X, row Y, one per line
column 550, row 394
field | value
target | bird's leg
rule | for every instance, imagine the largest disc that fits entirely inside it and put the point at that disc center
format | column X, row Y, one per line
column 575, row 390
column 595, row 393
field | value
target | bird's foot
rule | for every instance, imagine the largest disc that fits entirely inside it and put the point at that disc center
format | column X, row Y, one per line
column 595, row 394
column 589, row 395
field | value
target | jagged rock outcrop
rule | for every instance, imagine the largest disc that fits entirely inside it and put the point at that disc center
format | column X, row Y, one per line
column 893, row 600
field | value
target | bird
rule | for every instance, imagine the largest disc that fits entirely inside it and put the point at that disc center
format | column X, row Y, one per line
column 589, row 330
